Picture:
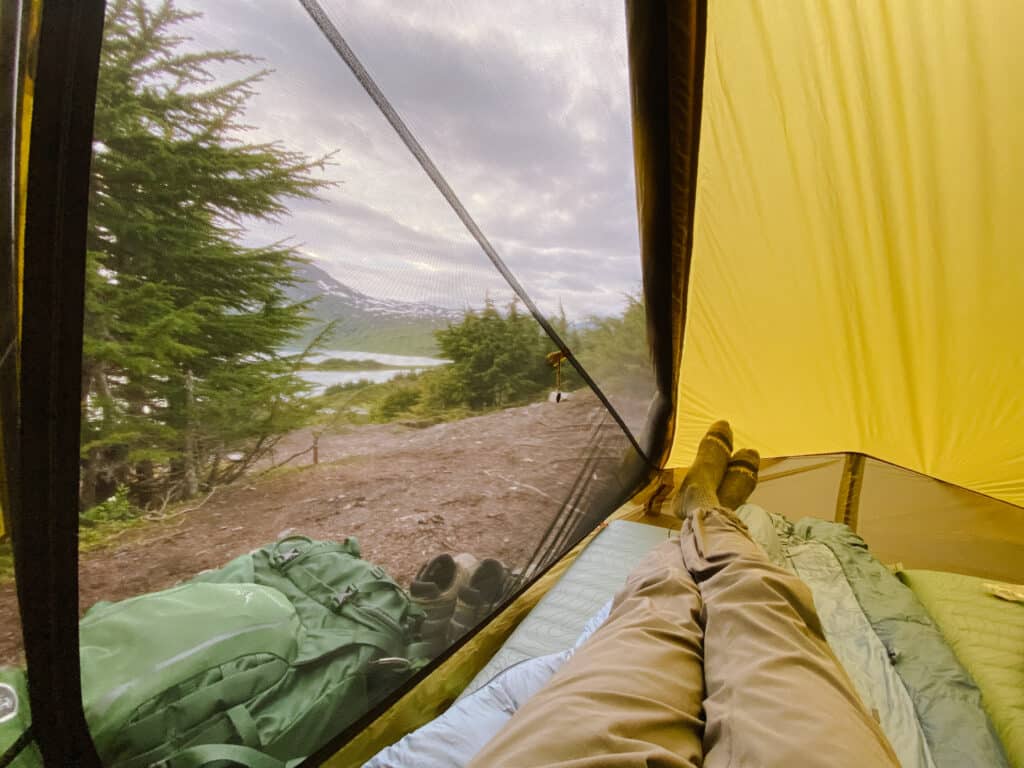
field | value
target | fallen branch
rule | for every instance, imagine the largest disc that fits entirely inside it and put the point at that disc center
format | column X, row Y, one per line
column 290, row 458
column 167, row 500
column 535, row 489
column 158, row 518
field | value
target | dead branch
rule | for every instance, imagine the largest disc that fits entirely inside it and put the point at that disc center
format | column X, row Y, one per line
column 159, row 518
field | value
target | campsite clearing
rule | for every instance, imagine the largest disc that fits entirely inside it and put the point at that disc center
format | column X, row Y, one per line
column 488, row 485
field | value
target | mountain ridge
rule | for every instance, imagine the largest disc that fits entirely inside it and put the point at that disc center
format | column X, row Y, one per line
column 365, row 323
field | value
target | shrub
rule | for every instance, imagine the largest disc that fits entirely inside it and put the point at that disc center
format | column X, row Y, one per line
column 348, row 386
column 117, row 507
column 395, row 403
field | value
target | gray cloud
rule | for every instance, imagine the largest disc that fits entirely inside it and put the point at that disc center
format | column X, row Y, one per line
column 524, row 106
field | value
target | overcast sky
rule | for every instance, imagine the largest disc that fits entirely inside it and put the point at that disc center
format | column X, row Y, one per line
column 524, row 106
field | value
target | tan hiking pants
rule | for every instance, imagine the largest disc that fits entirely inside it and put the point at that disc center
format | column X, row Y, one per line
column 711, row 656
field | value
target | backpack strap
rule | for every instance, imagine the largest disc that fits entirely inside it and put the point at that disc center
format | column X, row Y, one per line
column 288, row 561
column 289, row 549
column 341, row 639
column 231, row 754
column 345, row 602
column 17, row 747
column 333, row 599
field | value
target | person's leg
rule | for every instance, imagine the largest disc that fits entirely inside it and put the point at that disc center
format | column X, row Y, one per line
column 775, row 693
column 631, row 695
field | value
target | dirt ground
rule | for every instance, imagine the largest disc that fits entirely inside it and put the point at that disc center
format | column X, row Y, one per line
column 488, row 485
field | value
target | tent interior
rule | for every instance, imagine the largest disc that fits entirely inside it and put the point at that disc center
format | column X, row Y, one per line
column 475, row 278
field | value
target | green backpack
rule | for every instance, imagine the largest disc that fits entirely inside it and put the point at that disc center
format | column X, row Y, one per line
column 17, row 750
column 257, row 664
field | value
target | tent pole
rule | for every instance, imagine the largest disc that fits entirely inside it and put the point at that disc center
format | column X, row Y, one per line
column 848, row 498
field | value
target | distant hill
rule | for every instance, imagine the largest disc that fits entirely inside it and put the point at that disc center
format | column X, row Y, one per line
column 368, row 324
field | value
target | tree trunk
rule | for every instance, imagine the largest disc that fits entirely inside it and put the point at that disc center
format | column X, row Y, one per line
column 103, row 389
column 87, row 484
column 94, row 379
column 191, row 448
column 142, row 485
column 213, row 476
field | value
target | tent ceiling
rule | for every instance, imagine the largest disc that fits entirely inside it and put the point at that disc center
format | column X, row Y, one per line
column 856, row 271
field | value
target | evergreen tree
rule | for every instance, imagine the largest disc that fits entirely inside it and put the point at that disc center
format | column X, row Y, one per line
column 614, row 350
column 184, row 322
column 496, row 359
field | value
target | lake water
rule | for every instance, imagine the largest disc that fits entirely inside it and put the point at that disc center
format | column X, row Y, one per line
column 323, row 379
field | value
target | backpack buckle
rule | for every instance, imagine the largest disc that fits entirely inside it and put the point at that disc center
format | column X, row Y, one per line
column 343, row 597
column 281, row 559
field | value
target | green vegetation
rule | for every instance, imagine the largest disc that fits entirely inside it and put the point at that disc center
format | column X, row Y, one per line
column 99, row 525
column 400, row 400
column 365, row 332
column 614, row 350
column 348, row 386
column 364, row 402
column 498, row 360
column 184, row 385
column 341, row 364
column 183, row 321
column 108, row 520
column 117, row 508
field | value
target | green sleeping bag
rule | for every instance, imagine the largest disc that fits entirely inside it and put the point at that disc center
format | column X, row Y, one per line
column 987, row 635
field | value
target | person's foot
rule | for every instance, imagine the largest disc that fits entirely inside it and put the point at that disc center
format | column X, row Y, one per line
column 700, row 488
column 740, row 478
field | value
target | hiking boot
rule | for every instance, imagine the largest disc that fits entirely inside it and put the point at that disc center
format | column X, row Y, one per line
column 436, row 589
column 487, row 586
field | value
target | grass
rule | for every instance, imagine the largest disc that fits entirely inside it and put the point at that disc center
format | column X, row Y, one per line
column 404, row 398
column 99, row 535
column 343, row 364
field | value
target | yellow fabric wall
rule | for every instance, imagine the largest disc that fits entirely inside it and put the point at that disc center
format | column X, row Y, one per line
column 857, row 279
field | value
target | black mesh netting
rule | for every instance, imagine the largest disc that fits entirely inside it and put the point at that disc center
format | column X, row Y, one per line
column 290, row 332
